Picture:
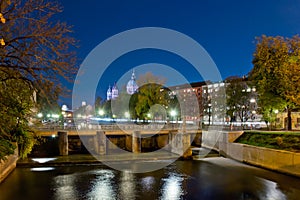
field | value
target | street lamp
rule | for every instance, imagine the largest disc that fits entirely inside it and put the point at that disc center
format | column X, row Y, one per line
column 127, row 115
column 252, row 100
column 209, row 113
column 173, row 114
column 101, row 112
column 40, row 115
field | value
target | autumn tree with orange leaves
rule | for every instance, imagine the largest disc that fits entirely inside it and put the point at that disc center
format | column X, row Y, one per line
column 276, row 73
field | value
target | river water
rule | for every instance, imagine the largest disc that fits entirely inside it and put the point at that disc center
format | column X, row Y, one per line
column 216, row 178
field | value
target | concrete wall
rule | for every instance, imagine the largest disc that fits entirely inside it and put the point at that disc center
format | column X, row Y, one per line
column 277, row 160
column 7, row 166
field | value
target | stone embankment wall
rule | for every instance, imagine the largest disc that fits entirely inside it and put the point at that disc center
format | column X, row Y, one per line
column 278, row 160
column 8, row 165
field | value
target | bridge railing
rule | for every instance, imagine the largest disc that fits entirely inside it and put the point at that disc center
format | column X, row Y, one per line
column 116, row 127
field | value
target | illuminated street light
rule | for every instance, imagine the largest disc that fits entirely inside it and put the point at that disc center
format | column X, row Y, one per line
column 55, row 115
column 173, row 114
column 40, row 115
column 252, row 100
column 101, row 112
column 209, row 113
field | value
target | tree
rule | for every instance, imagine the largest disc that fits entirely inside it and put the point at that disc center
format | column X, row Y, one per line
column 151, row 92
column 47, row 99
column 238, row 97
column 98, row 104
column 107, row 108
column 120, row 105
column 16, row 105
column 276, row 73
column 34, row 57
column 148, row 96
column 132, row 103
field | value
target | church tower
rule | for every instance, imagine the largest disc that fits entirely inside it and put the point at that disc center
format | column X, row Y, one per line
column 132, row 87
column 108, row 94
column 114, row 92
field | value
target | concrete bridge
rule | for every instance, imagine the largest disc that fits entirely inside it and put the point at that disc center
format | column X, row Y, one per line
column 109, row 138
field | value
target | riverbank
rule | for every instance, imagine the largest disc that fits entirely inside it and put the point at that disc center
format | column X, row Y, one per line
column 286, row 162
column 8, row 165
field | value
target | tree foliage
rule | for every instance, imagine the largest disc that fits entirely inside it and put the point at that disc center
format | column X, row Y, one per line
column 276, row 73
column 16, row 103
column 149, row 95
column 238, row 96
column 34, row 57
column 151, row 92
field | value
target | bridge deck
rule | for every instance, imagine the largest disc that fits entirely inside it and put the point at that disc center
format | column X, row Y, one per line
column 108, row 132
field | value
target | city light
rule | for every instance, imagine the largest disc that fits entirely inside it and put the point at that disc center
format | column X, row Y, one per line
column 101, row 112
column 55, row 115
column 40, row 115
column 173, row 113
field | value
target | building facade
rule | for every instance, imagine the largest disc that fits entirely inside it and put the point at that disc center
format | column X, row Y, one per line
column 190, row 99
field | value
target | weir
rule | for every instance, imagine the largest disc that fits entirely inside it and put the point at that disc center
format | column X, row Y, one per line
column 100, row 142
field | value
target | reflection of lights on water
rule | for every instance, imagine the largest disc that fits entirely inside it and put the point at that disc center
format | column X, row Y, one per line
column 103, row 186
column 43, row 160
column 148, row 182
column 271, row 190
column 172, row 187
column 41, row 169
column 65, row 187
column 128, row 184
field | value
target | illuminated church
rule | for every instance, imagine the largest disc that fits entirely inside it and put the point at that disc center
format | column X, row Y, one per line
column 112, row 93
column 131, row 88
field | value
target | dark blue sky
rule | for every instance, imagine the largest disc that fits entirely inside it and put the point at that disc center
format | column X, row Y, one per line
column 226, row 29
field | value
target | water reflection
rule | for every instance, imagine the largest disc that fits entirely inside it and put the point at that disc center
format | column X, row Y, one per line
column 181, row 180
column 127, row 185
column 148, row 183
column 172, row 187
column 41, row 169
column 64, row 187
column 270, row 190
column 103, row 186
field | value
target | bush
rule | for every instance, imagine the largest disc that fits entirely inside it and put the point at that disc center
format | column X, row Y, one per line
column 289, row 141
column 6, row 148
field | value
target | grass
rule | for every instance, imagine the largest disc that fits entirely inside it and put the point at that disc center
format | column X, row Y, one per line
column 289, row 141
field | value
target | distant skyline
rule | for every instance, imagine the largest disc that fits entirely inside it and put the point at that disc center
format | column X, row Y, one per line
column 226, row 29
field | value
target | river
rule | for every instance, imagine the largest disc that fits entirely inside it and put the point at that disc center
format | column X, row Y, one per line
column 215, row 178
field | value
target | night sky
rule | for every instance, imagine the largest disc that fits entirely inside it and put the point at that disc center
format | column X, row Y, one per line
column 225, row 29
